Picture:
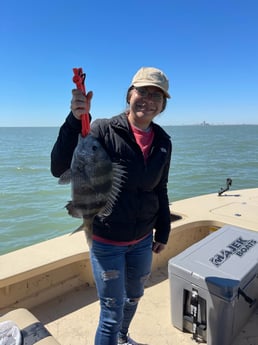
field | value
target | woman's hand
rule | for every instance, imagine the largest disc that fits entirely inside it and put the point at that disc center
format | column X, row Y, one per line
column 80, row 103
column 157, row 247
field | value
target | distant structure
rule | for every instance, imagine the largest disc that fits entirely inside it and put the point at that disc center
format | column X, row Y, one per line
column 204, row 123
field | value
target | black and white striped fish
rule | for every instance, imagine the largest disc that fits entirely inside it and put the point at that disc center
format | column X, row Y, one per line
column 95, row 182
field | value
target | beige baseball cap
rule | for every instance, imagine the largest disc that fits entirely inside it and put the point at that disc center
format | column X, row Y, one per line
column 151, row 76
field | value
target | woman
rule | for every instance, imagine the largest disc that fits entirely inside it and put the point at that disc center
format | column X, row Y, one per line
column 139, row 221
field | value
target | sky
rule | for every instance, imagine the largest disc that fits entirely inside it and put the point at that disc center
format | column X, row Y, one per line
column 208, row 49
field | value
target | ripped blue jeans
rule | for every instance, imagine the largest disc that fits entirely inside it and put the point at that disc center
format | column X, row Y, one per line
column 120, row 273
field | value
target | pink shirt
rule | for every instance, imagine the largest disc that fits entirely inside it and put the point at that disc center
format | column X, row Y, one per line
column 144, row 139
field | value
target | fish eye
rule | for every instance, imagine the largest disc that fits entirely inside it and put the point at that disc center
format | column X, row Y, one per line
column 94, row 148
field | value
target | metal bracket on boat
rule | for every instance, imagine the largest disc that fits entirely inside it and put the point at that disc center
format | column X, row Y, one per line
column 228, row 184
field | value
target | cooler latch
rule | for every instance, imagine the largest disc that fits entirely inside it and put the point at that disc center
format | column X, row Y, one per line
column 194, row 304
column 194, row 312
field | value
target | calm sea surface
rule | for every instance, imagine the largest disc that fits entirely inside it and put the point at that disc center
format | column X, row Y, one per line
column 32, row 202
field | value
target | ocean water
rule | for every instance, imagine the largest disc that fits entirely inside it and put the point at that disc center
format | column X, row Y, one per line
column 32, row 202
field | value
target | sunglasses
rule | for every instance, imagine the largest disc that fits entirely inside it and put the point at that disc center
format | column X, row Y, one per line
column 156, row 96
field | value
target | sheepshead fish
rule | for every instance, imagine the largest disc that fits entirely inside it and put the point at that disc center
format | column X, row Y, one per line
column 95, row 182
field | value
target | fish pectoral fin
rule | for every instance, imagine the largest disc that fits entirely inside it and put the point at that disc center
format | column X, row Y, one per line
column 65, row 178
column 73, row 210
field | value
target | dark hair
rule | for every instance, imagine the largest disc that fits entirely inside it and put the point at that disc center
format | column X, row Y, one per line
column 164, row 98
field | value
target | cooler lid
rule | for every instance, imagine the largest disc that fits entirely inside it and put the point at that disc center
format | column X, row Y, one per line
column 220, row 263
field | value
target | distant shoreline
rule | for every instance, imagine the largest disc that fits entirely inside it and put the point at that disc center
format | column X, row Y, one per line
column 206, row 124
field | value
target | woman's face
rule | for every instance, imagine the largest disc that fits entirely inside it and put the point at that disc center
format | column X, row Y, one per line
column 145, row 103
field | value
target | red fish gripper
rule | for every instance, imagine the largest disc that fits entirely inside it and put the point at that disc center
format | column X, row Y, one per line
column 79, row 80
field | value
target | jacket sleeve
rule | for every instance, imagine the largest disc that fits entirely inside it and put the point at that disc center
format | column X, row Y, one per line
column 62, row 152
column 163, row 223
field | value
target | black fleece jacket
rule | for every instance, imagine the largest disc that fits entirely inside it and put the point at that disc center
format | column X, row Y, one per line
column 142, row 205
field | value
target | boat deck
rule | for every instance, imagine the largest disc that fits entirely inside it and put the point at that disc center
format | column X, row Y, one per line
column 72, row 317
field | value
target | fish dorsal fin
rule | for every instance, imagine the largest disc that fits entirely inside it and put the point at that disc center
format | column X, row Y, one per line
column 65, row 178
column 118, row 179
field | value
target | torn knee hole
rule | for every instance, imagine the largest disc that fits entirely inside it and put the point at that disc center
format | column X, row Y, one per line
column 108, row 275
column 110, row 302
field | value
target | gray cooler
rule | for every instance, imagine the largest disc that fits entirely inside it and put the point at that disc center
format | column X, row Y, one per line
column 214, row 285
